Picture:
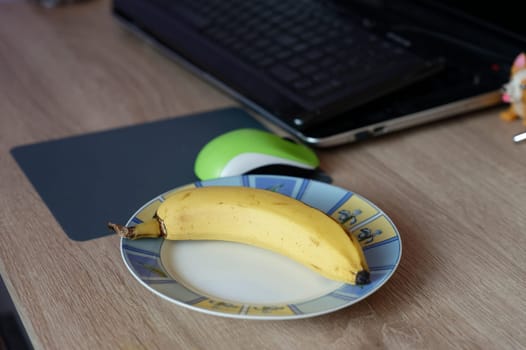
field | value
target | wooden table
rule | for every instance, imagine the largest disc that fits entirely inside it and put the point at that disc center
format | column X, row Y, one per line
column 456, row 191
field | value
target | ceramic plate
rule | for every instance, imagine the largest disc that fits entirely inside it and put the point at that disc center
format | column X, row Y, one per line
column 241, row 281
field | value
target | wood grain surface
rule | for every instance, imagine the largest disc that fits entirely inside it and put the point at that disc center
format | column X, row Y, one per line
column 456, row 190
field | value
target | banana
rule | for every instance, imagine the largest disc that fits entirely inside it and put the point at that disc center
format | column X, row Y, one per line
column 261, row 218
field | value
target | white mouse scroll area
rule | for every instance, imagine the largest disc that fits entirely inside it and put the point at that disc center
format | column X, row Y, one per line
column 246, row 162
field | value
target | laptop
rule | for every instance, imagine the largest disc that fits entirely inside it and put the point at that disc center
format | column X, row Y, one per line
column 331, row 72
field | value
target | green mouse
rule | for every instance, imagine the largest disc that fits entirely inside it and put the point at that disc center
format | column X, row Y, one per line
column 255, row 151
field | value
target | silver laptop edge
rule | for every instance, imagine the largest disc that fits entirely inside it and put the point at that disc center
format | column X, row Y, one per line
column 411, row 120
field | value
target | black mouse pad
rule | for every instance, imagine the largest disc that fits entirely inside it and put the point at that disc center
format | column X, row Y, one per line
column 91, row 179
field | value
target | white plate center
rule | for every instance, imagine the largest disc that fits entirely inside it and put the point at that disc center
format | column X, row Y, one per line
column 241, row 273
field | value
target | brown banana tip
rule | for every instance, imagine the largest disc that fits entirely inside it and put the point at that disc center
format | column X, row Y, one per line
column 363, row 277
column 122, row 231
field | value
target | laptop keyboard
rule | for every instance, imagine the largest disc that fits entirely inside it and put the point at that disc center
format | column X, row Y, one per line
column 306, row 48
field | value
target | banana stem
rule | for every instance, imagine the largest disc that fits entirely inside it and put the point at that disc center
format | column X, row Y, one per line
column 123, row 231
column 148, row 229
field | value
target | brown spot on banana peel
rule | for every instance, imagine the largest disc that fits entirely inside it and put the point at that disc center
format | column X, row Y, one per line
column 314, row 241
column 316, row 267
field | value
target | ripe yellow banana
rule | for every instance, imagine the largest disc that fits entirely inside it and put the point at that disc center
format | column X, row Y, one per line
column 260, row 218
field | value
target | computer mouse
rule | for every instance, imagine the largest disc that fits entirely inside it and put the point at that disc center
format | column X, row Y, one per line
column 255, row 151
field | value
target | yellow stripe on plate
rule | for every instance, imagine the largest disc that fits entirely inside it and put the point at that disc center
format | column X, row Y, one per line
column 354, row 211
column 376, row 231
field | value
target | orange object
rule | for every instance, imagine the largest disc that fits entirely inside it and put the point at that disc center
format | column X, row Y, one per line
column 514, row 92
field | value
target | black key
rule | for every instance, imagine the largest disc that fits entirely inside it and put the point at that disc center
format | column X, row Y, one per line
column 309, row 69
column 283, row 73
column 300, row 47
column 320, row 76
column 327, row 62
column 314, row 55
column 338, row 69
column 296, row 62
column 265, row 61
column 302, row 84
column 323, row 89
column 286, row 40
column 283, row 54
column 191, row 17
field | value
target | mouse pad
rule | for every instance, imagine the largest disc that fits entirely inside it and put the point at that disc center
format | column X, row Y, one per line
column 91, row 179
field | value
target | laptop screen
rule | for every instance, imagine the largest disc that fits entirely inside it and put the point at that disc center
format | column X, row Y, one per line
column 504, row 14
